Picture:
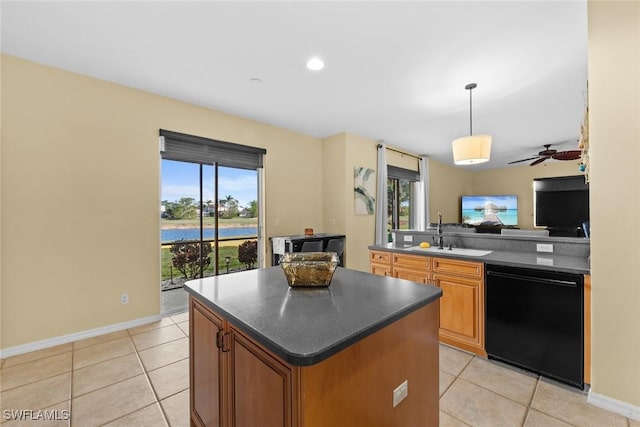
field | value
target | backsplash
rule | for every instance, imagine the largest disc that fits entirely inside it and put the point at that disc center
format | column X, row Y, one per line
column 467, row 238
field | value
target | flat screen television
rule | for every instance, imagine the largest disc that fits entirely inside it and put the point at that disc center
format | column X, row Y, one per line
column 494, row 210
column 561, row 203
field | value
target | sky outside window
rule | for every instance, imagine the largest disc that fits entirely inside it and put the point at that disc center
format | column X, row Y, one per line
column 180, row 179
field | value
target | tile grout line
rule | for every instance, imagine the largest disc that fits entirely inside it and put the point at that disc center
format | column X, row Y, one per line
column 153, row 390
column 540, row 381
column 38, row 380
column 73, row 358
column 530, row 405
column 456, row 377
column 73, row 353
column 34, row 360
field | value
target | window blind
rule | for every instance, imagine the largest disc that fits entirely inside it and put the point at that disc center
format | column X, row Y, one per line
column 197, row 149
column 402, row 173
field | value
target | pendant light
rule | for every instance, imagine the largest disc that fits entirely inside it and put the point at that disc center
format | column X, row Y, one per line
column 472, row 149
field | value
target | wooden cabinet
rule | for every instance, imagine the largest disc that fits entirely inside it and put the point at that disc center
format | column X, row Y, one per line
column 462, row 284
column 236, row 382
column 380, row 263
column 233, row 381
column 205, row 359
column 412, row 267
column 462, row 303
column 261, row 386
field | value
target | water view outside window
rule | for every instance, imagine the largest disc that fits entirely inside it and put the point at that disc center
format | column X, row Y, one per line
column 189, row 202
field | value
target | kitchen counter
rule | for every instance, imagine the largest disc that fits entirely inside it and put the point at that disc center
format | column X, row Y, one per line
column 306, row 357
column 535, row 260
column 304, row 326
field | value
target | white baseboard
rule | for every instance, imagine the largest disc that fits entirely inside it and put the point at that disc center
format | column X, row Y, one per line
column 614, row 405
column 64, row 339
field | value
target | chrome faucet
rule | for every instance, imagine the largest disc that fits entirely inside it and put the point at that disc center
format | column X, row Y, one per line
column 439, row 230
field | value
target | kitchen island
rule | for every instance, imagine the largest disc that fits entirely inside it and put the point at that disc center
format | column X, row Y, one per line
column 262, row 353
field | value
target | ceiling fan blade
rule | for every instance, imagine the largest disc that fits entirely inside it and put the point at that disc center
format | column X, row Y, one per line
column 540, row 160
column 568, row 155
column 522, row 160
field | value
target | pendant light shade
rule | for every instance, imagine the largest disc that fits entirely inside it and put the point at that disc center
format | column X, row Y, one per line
column 472, row 149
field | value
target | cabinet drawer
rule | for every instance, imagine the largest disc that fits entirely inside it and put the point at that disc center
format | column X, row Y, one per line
column 380, row 269
column 380, row 257
column 415, row 275
column 458, row 267
column 412, row 261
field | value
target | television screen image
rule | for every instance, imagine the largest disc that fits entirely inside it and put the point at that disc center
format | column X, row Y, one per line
column 490, row 210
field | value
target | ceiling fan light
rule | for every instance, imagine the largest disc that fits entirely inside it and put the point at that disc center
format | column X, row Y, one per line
column 472, row 149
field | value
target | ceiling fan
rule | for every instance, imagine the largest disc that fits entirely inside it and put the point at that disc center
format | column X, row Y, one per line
column 550, row 153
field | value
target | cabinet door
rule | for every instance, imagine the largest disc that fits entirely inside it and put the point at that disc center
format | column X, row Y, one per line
column 461, row 311
column 206, row 370
column 262, row 386
column 380, row 269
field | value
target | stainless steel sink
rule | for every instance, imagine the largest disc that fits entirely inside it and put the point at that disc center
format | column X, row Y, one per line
column 453, row 251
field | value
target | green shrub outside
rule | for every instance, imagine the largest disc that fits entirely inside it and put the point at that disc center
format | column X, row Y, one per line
column 230, row 251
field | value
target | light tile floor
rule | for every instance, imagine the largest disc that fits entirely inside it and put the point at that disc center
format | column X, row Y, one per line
column 139, row 377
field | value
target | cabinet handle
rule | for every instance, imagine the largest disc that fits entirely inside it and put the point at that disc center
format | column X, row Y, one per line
column 219, row 338
column 226, row 342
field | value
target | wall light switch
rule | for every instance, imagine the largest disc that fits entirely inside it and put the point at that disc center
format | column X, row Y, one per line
column 543, row 247
column 408, row 238
column 400, row 393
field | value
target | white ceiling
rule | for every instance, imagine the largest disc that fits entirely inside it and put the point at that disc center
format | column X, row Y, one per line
column 395, row 71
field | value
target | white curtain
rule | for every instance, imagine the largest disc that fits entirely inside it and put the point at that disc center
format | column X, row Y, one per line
column 422, row 196
column 381, row 196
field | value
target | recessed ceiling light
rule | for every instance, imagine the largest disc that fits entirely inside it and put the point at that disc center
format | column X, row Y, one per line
column 315, row 64
column 255, row 80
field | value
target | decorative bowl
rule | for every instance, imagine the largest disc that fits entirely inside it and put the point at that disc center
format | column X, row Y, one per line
column 309, row 269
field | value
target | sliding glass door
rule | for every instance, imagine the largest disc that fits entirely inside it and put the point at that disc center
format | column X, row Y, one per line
column 209, row 225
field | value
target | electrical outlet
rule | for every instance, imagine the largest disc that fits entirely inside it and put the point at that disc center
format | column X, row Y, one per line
column 124, row 299
column 543, row 247
column 400, row 393
column 408, row 238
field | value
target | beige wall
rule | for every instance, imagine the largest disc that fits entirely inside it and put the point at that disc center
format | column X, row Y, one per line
column 401, row 160
column 342, row 153
column 614, row 108
column 335, row 184
column 446, row 184
column 81, row 195
column 519, row 181
column 360, row 228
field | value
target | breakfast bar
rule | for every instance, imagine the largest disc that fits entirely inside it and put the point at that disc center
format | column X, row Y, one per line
column 363, row 351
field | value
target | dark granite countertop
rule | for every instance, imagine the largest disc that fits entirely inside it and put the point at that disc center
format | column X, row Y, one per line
column 304, row 326
column 535, row 260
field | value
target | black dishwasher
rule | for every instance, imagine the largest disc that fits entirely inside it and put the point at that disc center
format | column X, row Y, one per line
column 534, row 320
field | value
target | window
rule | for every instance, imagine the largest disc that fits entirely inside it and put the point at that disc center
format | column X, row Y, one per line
column 401, row 192
column 210, row 213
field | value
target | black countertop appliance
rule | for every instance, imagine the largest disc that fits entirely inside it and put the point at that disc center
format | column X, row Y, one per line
column 320, row 242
